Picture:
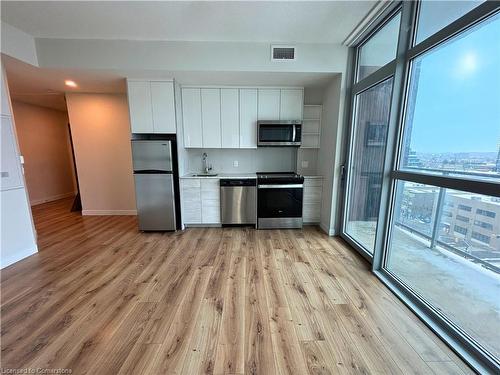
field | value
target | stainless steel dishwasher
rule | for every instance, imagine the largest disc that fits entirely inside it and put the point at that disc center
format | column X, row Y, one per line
column 238, row 198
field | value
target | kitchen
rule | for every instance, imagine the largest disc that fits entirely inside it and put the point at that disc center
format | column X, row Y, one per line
column 237, row 151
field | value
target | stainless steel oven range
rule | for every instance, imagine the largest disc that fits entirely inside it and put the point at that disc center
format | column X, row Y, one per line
column 279, row 200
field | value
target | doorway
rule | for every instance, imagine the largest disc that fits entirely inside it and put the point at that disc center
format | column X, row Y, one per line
column 46, row 146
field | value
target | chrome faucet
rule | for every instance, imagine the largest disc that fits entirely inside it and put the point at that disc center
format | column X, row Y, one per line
column 206, row 167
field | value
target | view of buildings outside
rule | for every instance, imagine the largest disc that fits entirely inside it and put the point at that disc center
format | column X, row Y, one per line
column 479, row 164
column 469, row 223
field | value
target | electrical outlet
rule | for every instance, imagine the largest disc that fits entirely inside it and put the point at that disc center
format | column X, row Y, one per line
column 236, row 163
column 305, row 164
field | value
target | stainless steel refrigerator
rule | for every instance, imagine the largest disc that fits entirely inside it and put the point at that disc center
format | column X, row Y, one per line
column 156, row 182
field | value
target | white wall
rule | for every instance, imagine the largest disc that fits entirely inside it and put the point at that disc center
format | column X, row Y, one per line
column 329, row 157
column 310, row 156
column 44, row 141
column 185, row 56
column 100, row 128
column 313, row 95
column 264, row 159
column 18, row 44
column 18, row 239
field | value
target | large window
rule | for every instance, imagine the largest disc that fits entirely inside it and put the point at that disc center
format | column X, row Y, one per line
column 379, row 49
column 445, row 260
column 429, row 217
column 434, row 15
column 453, row 116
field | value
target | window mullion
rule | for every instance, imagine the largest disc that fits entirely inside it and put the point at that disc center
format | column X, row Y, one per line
column 395, row 119
column 456, row 183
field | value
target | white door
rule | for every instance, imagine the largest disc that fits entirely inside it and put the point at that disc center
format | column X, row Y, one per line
column 210, row 118
column 269, row 104
column 230, row 112
column 292, row 103
column 163, row 104
column 5, row 109
column 248, row 118
column 10, row 166
column 139, row 102
column 191, row 114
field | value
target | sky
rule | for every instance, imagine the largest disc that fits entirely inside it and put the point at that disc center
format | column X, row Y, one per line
column 457, row 106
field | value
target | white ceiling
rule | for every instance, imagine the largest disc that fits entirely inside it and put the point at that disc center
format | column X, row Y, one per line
column 255, row 21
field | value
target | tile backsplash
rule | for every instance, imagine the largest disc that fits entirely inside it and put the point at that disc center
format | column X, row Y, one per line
column 303, row 161
column 244, row 161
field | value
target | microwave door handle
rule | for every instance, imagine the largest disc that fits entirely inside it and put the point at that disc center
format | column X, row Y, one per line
column 294, row 133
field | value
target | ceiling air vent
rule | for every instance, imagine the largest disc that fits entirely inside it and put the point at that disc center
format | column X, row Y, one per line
column 283, row 53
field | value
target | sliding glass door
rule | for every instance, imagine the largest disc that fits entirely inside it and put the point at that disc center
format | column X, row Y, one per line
column 422, row 192
column 366, row 163
column 368, row 140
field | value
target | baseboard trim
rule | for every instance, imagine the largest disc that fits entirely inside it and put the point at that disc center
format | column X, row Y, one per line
column 327, row 230
column 18, row 257
column 35, row 202
column 109, row 212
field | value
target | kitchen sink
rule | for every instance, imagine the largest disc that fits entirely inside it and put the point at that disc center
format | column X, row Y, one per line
column 204, row 175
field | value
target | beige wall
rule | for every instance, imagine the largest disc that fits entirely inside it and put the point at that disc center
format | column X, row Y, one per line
column 101, row 137
column 44, row 142
column 329, row 155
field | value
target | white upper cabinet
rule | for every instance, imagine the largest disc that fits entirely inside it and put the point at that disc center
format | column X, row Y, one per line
column 191, row 114
column 210, row 118
column 230, row 113
column 139, row 102
column 248, row 118
column 163, row 107
column 227, row 117
column 269, row 104
column 292, row 102
column 151, row 106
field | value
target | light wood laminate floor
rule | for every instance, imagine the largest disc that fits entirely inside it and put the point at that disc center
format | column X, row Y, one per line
column 102, row 298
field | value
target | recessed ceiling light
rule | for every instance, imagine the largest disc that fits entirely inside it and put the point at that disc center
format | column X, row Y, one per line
column 70, row 83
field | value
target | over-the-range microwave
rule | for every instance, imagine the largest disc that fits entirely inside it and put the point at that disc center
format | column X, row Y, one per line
column 279, row 133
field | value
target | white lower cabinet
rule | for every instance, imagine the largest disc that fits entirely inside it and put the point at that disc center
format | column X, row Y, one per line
column 313, row 190
column 200, row 201
column 191, row 201
column 210, row 201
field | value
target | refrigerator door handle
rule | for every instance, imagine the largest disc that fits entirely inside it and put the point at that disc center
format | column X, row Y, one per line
column 151, row 171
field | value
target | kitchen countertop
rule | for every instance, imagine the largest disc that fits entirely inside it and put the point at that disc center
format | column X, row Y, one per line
column 236, row 175
column 224, row 175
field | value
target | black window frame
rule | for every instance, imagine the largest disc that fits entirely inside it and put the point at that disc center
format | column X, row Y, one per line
column 400, row 68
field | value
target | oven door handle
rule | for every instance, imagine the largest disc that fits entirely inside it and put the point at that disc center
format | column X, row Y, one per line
column 283, row 186
column 294, row 133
